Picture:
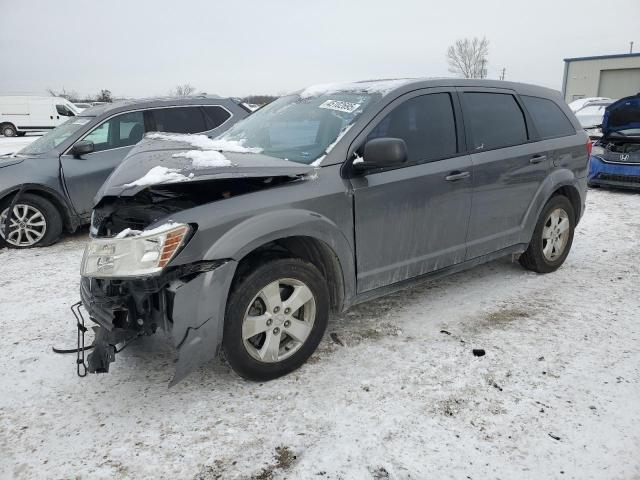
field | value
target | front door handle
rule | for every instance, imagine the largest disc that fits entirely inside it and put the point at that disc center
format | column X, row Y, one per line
column 537, row 159
column 455, row 176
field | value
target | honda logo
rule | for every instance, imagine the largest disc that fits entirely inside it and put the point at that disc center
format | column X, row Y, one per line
column 624, row 157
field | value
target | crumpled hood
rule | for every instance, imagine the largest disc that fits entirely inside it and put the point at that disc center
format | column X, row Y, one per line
column 621, row 115
column 155, row 162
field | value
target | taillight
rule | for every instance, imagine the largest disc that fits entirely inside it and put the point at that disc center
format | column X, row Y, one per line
column 589, row 147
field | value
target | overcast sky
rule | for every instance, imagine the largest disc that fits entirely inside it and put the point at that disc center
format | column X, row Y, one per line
column 140, row 48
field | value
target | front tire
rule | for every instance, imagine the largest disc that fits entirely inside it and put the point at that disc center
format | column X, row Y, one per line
column 34, row 222
column 275, row 319
column 9, row 130
column 552, row 237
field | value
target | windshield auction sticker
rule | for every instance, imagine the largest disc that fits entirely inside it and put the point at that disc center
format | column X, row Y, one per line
column 340, row 106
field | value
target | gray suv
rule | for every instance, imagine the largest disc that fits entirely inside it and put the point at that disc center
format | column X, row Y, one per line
column 323, row 199
column 50, row 184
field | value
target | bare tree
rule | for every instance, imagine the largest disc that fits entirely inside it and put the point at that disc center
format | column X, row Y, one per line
column 467, row 57
column 70, row 95
column 104, row 96
column 183, row 90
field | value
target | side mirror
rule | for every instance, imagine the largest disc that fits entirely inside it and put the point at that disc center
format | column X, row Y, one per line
column 82, row 148
column 381, row 153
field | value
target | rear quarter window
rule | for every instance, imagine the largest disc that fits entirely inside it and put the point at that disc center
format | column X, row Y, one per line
column 549, row 119
column 179, row 119
column 494, row 119
column 215, row 116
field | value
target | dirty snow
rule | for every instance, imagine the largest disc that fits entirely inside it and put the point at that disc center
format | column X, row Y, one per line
column 393, row 392
column 205, row 143
column 158, row 175
column 205, row 158
column 373, row 86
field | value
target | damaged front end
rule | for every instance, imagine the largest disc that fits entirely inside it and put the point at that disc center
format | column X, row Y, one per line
column 130, row 287
column 173, row 302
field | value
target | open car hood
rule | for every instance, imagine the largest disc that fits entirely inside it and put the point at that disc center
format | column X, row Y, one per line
column 621, row 115
column 155, row 162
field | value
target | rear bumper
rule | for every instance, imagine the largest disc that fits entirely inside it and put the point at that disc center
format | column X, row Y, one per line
column 190, row 307
column 613, row 174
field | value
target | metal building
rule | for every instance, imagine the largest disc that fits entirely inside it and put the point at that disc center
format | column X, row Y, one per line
column 613, row 76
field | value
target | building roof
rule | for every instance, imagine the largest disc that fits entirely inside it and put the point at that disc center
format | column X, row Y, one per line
column 602, row 57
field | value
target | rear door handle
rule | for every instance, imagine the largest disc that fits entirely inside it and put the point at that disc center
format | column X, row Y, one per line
column 537, row 159
column 454, row 176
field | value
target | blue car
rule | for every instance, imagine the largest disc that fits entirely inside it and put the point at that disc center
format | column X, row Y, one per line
column 615, row 159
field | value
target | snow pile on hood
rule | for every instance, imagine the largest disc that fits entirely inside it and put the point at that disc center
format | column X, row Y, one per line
column 205, row 158
column 158, row 175
column 373, row 86
column 205, row 143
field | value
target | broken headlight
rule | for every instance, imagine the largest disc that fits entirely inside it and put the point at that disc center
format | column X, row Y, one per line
column 133, row 253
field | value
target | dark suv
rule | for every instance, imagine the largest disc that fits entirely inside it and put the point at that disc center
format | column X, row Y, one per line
column 50, row 184
column 325, row 198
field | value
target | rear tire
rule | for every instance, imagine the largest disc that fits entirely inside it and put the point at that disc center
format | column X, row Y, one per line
column 8, row 130
column 35, row 222
column 552, row 237
column 282, row 304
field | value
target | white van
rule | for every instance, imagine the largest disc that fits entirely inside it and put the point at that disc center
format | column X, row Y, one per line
column 22, row 114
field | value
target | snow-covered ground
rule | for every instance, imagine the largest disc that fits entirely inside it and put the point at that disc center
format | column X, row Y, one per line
column 393, row 392
column 13, row 144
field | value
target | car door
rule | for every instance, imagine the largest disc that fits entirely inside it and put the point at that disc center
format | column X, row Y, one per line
column 508, row 167
column 413, row 220
column 112, row 140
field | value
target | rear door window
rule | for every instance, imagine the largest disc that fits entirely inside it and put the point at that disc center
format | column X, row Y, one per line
column 426, row 124
column 495, row 120
column 179, row 120
column 549, row 119
column 215, row 116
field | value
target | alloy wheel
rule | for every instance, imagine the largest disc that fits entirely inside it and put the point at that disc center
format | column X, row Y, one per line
column 555, row 234
column 27, row 226
column 278, row 320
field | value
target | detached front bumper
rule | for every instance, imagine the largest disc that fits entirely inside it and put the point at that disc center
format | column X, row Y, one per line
column 614, row 174
column 187, row 302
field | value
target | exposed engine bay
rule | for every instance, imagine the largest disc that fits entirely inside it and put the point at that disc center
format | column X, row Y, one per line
column 621, row 146
column 114, row 214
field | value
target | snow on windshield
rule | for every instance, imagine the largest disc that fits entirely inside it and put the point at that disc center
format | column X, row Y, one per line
column 377, row 86
column 205, row 143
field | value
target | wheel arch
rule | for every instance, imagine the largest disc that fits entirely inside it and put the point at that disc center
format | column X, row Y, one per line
column 296, row 232
column 559, row 182
column 307, row 248
column 69, row 219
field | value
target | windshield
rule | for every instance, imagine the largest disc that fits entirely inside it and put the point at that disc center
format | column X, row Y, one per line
column 301, row 128
column 55, row 137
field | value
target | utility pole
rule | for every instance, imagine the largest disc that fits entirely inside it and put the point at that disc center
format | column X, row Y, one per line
column 630, row 47
column 503, row 71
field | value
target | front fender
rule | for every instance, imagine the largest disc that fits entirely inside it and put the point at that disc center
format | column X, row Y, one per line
column 199, row 305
